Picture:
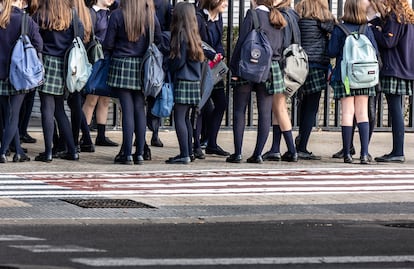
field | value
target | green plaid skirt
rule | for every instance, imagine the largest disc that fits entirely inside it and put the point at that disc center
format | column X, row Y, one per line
column 125, row 73
column 276, row 83
column 398, row 86
column 6, row 89
column 315, row 81
column 187, row 92
column 54, row 75
column 339, row 90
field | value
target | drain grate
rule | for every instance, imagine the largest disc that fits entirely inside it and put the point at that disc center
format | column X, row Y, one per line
column 400, row 225
column 107, row 203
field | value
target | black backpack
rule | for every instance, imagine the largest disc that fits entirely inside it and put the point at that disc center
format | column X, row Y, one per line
column 256, row 54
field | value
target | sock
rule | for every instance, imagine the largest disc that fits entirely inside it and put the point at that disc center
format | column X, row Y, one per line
column 287, row 135
column 346, row 139
column 363, row 128
column 101, row 132
column 277, row 135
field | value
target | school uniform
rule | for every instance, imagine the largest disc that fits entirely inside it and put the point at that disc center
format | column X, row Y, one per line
column 335, row 49
column 264, row 91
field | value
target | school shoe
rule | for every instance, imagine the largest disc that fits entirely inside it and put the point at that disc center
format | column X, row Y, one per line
column 289, row 157
column 147, row 153
column 217, row 150
column 122, row 159
column 19, row 158
column 272, row 156
column 178, row 160
column 26, row 138
column 138, row 159
column 156, row 142
column 348, row 158
column 306, row 155
column 70, row 156
column 106, row 142
column 388, row 158
column 364, row 159
column 3, row 158
column 255, row 159
column 340, row 154
column 198, row 154
column 43, row 157
column 87, row 147
column 234, row 158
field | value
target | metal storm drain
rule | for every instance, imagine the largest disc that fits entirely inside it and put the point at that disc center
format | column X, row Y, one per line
column 107, row 203
column 400, row 225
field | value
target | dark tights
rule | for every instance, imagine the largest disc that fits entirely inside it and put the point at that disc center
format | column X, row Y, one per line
column 183, row 128
column 76, row 113
column 397, row 123
column 308, row 110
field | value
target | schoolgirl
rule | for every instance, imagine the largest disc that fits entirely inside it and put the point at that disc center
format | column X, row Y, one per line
column 315, row 24
column 354, row 103
column 185, row 67
column 10, row 99
column 54, row 18
column 395, row 36
column 126, row 41
column 210, row 24
column 281, row 121
column 271, row 22
column 100, row 18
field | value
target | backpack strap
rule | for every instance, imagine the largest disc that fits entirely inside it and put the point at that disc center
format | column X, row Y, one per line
column 151, row 33
column 25, row 24
column 256, row 22
column 293, row 29
column 344, row 29
column 362, row 29
column 75, row 21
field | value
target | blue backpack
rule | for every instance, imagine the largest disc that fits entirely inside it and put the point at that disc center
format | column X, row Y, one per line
column 26, row 69
column 256, row 54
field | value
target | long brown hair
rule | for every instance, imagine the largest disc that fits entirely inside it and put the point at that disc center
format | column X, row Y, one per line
column 354, row 12
column 5, row 13
column 85, row 18
column 137, row 15
column 55, row 14
column 401, row 9
column 314, row 9
column 184, row 27
column 210, row 4
column 276, row 18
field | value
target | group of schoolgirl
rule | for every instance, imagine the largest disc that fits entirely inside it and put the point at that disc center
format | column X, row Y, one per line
column 126, row 41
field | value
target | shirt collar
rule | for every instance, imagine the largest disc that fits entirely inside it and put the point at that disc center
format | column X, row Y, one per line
column 96, row 8
column 263, row 7
column 209, row 17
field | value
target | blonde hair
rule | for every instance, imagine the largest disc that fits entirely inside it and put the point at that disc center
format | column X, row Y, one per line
column 137, row 15
column 354, row 12
column 5, row 13
column 85, row 17
column 314, row 9
column 55, row 15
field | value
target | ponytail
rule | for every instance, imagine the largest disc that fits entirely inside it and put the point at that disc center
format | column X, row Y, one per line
column 276, row 18
column 5, row 13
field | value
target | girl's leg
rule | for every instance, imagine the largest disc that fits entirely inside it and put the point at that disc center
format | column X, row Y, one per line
column 241, row 97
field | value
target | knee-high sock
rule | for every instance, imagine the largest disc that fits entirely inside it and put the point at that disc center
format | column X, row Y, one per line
column 287, row 135
column 347, row 134
column 363, row 128
column 277, row 135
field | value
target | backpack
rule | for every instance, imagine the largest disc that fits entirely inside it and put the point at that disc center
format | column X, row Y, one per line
column 359, row 65
column 256, row 54
column 165, row 100
column 94, row 50
column 295, row 65
column 76, row 62
column 152, row 73
column 26, row 69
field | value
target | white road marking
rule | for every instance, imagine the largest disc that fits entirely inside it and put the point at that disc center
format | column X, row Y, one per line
column 12, row 237
column 124, row 262
column 56, row 249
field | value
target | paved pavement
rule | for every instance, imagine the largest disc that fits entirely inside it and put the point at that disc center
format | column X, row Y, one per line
column 211, row 189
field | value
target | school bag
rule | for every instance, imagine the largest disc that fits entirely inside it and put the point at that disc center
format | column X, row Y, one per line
column 26, row 69
column 77, row 65
column 295, row 65
column 165, row 100
column 256, row 54
column 359, row 65
column 94, row 50
column 152, row 73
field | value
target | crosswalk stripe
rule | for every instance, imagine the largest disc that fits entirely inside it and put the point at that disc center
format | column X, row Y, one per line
column 207, row 182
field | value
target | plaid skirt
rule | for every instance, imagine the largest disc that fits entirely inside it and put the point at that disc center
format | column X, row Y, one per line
column 398, row 86
column 315, row 81
column 275, row 83
column 125, row 73
column 6, row 89
column 339, row 90
column 187, row 92
column 54, row 75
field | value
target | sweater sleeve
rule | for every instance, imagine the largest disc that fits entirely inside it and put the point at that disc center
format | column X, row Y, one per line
column 391, row 33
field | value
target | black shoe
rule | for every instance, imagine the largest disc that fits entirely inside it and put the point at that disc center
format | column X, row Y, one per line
column 122, row 159
column 203, row 144
column 340, row 154
column 306, row 155
column 255, row 159
column 138, row 159
column 156, row 142
column 70, row 156
column 43, row 157
column 3, row 158
column 198, row 154
column 289, row 157
column 19, row 158
column 348, row 158
column 178, row 160
column 388, row 158
column 26, row 138
column 106, row 142
column 217, row 150
column 272, row 156
column 87, row 147
column 233, row 158
column 147, row 153
column 364, row 159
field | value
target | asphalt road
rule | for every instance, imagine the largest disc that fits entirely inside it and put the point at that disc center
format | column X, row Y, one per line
column 208, row 245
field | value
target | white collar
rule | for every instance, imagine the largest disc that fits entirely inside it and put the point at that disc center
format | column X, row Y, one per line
column 263, row 7
column 96, row 8
column 209, row 17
